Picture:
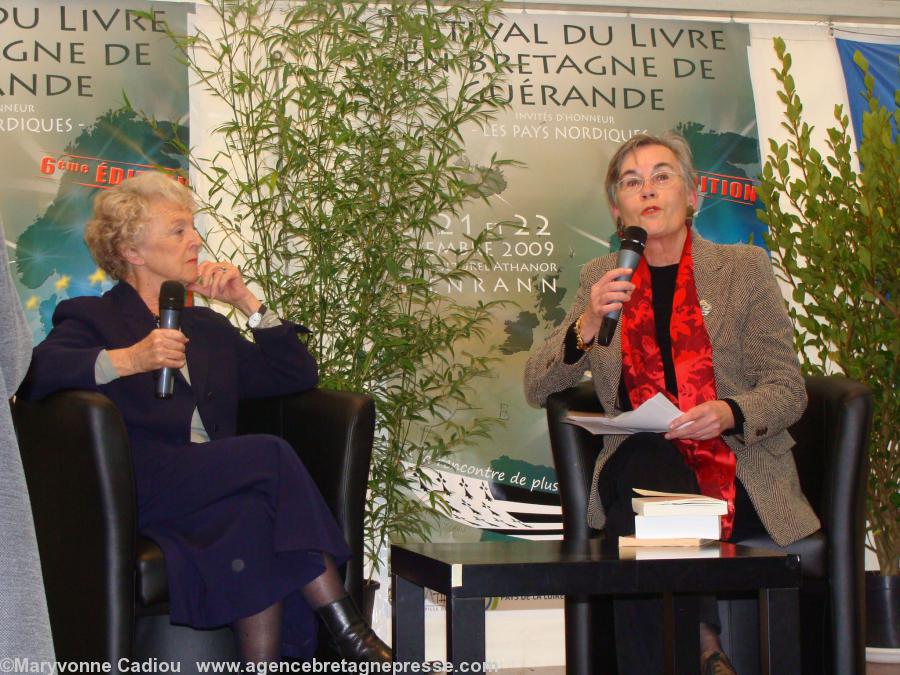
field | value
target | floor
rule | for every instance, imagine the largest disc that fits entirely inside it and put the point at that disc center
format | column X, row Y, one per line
column 871, row 669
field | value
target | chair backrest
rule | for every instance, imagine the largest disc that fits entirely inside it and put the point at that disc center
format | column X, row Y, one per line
column 332, row 432
column 830, row 450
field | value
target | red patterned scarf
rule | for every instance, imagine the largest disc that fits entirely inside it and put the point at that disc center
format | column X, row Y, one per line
column 712, row 461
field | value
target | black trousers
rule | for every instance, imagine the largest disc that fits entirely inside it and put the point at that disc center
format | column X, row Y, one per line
column 648, row 460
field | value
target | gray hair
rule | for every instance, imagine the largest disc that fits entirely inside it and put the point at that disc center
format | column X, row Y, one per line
column 121, row 214
column 671, row 140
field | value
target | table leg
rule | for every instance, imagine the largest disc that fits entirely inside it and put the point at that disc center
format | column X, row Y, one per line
column 465, row 630
column 685, row 635
column 408, row 625
column 779, row 630
column 590, row 635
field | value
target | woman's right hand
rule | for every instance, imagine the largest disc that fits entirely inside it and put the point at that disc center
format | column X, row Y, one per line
column 162, row 348
column 607, row 295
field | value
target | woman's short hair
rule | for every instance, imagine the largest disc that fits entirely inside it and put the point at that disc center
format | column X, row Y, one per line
column 121, row 215
column 670, row 139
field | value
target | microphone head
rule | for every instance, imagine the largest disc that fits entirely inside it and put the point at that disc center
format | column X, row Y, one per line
column 634, row 238
column 171, row 295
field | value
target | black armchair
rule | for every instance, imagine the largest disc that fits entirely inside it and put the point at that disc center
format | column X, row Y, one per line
column 104, row 583
column 830, row 452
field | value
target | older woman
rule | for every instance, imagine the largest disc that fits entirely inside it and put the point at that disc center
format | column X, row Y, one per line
column 706, row 325
column 247, row 538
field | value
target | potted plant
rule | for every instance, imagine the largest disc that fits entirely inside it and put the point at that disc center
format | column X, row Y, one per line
column 833, row 233
column 341, row 160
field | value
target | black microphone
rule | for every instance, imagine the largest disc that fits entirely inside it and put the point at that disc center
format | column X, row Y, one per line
column 171, row 302
column 633, row 240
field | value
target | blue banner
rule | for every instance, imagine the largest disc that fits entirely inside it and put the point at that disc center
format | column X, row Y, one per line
column 882, row 60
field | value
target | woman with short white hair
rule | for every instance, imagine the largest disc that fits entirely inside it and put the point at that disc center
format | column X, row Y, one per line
column 247, row 538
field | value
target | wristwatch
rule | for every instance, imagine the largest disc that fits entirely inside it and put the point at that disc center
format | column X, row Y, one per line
column 255, row 319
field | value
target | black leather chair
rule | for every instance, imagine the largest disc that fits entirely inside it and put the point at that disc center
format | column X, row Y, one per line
column 106, row 585
column 830, row 452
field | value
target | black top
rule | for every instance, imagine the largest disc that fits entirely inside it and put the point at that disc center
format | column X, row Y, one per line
column 662, row 281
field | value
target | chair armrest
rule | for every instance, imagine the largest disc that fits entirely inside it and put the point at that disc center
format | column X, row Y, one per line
column 80, row 480
column 575, row 451
column 332, row 433
column 838, row 416
column 840, row 409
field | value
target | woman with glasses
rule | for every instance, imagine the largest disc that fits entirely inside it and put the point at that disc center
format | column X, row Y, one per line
column 706, row 325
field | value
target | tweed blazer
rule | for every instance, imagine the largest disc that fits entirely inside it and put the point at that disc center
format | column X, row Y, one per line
column 754, row 364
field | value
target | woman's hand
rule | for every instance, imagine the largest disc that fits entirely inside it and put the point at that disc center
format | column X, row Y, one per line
column 223, row 281
column 162, row 348
column 707, row 420
column 607, row 295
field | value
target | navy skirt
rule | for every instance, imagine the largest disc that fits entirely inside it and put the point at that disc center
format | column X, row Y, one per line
column 242, row 526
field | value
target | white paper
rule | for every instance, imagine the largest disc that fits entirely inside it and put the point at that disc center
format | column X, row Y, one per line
column 678, row 497
column 654, row 414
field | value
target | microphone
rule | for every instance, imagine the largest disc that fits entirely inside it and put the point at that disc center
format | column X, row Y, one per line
column 171, row 302
column 633, row 240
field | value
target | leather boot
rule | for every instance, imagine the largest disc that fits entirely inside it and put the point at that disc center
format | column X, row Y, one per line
column 353, row 638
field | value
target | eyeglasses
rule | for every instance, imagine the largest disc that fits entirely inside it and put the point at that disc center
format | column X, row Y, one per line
column 662, row 180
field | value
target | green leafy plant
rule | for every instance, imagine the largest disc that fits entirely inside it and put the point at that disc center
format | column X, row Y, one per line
column 833, row 233
column 341, row 156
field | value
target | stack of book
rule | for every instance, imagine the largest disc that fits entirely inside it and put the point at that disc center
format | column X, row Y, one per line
column 672, row 519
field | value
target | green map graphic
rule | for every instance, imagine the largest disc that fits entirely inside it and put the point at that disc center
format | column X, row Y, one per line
column 520, row 333
column 53, row 245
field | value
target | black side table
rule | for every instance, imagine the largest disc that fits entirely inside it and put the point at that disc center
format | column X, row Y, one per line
column 468, row 573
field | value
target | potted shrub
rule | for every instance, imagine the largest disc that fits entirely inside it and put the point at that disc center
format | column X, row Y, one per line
column 834, row 234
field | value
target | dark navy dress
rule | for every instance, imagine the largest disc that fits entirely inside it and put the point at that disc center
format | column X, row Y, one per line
column 241, row 523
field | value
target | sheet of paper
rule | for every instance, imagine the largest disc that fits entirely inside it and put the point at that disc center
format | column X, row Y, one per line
column 654, row 415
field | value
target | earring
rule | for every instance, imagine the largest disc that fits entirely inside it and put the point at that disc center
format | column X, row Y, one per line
column 620, row 227
column 689, row 217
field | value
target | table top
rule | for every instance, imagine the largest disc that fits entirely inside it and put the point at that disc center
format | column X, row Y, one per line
column 557, row 567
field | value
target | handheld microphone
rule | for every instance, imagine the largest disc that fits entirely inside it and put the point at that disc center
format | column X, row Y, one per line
column 633, row 240
column 171, row 302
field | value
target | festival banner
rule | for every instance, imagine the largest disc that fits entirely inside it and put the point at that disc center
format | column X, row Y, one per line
column 579, row 85
column 885, row 72
column 69, row 71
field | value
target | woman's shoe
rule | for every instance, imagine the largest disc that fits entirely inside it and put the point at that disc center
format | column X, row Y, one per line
column 716, row 663
column 353, row 638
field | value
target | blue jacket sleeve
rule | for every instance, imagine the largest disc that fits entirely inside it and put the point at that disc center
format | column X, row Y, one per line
column 276, row 363
column 66, row 358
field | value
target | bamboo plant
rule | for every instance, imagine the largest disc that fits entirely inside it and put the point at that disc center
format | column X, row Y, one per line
column 341, row 155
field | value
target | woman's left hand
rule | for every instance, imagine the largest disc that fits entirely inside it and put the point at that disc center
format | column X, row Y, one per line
column 223, row 281
column 707, row 420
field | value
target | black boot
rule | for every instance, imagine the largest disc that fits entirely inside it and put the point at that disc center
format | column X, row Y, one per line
column 354, row 640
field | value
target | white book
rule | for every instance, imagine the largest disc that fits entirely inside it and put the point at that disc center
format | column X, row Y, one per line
column 655, row 552
column 653, row 503
column 677, row 527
